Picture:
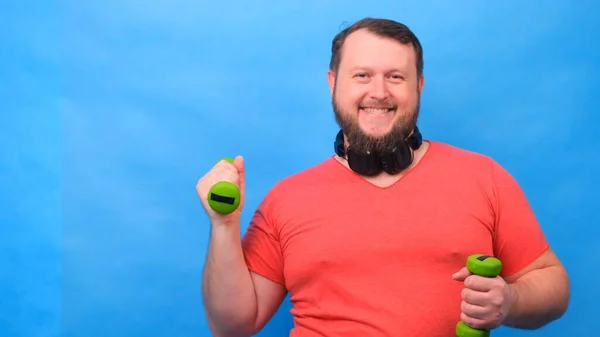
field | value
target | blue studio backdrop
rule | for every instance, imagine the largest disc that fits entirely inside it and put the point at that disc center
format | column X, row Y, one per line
column 112, row 110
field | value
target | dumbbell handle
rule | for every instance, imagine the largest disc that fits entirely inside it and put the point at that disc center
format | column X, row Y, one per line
column 224, row 196
column 482, row 265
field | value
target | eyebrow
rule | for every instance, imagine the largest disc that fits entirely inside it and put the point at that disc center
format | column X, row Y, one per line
column 356, row 68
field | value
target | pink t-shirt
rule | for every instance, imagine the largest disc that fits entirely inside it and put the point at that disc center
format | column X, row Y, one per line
column 360, row 260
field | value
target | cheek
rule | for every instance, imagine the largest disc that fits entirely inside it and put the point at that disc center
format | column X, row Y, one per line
column 357, row 95
column 350, row 97
column 405, row 97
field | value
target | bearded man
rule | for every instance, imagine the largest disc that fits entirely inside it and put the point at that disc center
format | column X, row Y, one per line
column 373, row 240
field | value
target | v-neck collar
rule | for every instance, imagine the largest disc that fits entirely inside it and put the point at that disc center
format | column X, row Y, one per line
column 415, row 169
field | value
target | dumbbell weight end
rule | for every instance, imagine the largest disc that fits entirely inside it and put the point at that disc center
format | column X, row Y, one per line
column 224, row 196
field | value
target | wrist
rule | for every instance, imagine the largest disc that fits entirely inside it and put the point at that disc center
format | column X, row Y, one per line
column 225, row 226
column 513, row 307
column 229, row 220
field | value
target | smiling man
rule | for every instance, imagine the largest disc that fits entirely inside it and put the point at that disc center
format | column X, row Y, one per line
column 373, row 240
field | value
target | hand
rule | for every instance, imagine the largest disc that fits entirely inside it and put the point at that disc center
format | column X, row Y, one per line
column 486, row 301
column 223, row 171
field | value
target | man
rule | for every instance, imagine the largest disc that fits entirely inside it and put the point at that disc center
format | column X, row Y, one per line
column 368, row 250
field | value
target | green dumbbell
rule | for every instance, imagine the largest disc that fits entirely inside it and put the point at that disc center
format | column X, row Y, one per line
column 481, row 265
column 224, row 196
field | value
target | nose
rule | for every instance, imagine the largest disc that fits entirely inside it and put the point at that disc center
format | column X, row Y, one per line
column 378, row 88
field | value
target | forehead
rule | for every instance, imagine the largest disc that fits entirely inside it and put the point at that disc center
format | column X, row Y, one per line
column 365, row 49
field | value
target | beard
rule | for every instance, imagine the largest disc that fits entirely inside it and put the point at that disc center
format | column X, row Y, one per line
column 364, row 143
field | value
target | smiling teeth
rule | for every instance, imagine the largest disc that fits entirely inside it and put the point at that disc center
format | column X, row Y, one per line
column 375, row 110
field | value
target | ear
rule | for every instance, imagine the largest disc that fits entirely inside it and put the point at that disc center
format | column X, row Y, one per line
column 421, row 83
column 331, row 81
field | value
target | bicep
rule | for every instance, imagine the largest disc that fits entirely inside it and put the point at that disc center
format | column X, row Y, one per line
column 269, row 296
column 546, row 260
column 264, row 257
column 518, row 236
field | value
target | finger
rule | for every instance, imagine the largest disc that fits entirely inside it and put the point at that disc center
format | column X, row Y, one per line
column 474, row 322
column 461, row 275
column 473, row 311
column 223, row 171
column 480, row 283
column 475, row 297
column 224, row 167
column 222, row 163
column 225, row 164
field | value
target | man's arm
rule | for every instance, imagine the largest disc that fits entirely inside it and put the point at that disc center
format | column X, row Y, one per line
column 540, row 293
column 237, row 301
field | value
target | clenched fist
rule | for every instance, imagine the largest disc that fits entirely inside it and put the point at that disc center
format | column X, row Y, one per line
column 486, row 301
column 228, row 172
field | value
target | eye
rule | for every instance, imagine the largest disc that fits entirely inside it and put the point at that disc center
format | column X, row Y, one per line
column 361, row 76
column 397, row 77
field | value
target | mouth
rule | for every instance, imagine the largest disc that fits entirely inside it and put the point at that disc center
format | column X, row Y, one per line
column 376, row 111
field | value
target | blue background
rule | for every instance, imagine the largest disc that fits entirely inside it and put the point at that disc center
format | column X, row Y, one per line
column 111, row 111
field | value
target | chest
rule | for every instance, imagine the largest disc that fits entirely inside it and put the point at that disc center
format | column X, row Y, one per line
column 380, row 234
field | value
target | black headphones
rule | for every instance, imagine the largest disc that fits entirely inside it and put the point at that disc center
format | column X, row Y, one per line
column 372, row 163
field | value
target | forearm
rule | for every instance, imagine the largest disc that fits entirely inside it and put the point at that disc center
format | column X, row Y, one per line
column 539, row 297
column 228, row 290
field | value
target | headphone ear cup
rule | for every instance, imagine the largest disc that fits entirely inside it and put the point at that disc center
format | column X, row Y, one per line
column 416, row 139
column 338, row 144
column 366, row 165
column 398, row 160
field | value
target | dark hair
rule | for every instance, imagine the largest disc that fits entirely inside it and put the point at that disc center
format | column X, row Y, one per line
column 380, row 27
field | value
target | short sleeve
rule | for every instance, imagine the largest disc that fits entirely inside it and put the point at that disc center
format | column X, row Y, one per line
column 519, row 238
column 261, row 246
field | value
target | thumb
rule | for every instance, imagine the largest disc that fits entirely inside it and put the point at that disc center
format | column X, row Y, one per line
column 461, row 275
column 238, row 162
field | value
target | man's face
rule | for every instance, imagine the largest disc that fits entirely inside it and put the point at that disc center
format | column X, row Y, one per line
column 376, row 91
